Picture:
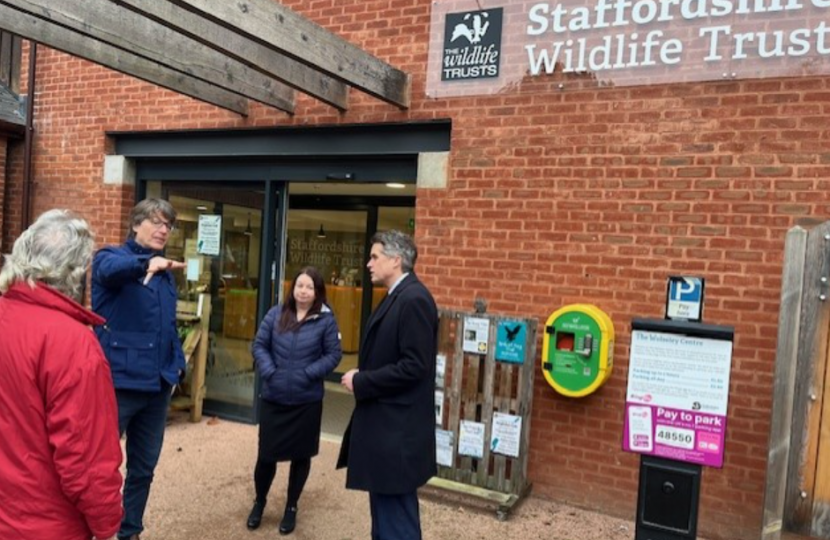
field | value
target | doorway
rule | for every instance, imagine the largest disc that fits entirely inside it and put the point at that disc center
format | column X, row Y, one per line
column 354, row 176
column 331, row 227
column 326, row 225
column 232, row 272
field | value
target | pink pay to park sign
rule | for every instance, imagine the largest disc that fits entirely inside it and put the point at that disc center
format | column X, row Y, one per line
column 678, row 390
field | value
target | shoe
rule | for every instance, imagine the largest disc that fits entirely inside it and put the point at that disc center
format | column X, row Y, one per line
column 289, row 520
column 255, row 517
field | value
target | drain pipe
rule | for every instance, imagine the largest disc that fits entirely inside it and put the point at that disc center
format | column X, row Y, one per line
column 26, row 218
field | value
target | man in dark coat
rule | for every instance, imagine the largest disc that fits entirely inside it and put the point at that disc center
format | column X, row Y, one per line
column 389, row 447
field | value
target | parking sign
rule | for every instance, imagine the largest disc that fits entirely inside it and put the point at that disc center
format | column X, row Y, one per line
column 684, row 298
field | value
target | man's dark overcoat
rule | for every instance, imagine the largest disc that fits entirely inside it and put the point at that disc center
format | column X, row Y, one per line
column 389, row 446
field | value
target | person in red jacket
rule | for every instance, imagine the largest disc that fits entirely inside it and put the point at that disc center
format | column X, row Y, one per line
column 59, row 449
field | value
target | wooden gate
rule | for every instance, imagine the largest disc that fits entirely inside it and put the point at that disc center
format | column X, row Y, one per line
column 476, row 388
column 798, row 469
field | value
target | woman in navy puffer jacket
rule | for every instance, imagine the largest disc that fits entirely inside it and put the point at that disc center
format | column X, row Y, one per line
column 297, row 345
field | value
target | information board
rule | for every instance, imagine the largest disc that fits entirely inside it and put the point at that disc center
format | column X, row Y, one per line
column 676, row 401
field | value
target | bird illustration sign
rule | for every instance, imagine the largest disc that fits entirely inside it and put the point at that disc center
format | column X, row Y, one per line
column 510, row 341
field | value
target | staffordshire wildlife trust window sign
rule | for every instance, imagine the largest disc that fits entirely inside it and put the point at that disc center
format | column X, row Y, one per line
column 492, row 46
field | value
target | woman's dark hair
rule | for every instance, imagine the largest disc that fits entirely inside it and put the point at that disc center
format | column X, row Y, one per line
column 288, row 318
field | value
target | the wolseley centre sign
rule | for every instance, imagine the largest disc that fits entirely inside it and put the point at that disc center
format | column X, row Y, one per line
column 488, row 46
column 677, row 395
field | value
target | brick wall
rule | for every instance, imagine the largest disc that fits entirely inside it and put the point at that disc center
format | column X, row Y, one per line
column 592, row 195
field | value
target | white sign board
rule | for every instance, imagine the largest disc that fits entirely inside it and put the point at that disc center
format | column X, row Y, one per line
column 506, row 434
column 444, row 447
column 209, row 235
column 677, row 395
column 471, row 439
column 439, row 407
column 440, row 369
column 476, row 332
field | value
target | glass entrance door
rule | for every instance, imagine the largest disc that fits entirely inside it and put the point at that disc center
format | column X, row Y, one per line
column 229, row 273
column 334, row 236
column 334, row 242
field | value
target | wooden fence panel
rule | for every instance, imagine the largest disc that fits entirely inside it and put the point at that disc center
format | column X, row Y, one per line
column 476, row 386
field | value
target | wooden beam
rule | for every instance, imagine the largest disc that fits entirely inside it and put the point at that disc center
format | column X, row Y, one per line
column 6, row 58
column 244, row 50
column 127, row 30
column 278, row 27
column 809, row 387
column 786, row 359
column 820, row 526
column 69, row 41
column 11, row 54
column 17, row 53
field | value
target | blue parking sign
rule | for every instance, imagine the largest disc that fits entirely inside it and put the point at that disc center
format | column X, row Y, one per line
column 684, row 298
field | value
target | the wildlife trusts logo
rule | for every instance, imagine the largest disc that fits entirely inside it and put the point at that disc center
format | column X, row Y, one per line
column 472, row 45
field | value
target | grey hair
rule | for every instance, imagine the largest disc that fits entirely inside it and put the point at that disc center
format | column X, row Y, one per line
column 56, row 250
column 149, row 208
column 398, row 244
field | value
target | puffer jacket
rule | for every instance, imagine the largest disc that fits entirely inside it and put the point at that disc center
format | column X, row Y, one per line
column 140, row 339
column 59, row 450
column 293, row 365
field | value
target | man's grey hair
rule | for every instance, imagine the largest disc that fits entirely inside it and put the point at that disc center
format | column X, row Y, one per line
column 148, row 209
column 56, row 250
column 398, row 244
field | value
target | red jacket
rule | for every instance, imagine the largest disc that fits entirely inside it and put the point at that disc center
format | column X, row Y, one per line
column 59, row 448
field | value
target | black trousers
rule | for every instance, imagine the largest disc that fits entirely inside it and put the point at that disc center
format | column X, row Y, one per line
column 395, row 517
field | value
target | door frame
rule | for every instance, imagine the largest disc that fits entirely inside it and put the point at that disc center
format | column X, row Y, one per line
column 365, row 153
column 369, row 204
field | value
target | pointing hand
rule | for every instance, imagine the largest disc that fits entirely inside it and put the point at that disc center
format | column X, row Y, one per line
column 160, row 264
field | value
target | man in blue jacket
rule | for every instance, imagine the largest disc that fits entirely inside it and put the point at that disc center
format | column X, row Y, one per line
column 133, row 288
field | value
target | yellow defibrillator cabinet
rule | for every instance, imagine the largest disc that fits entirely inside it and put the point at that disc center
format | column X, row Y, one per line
column 578, row 349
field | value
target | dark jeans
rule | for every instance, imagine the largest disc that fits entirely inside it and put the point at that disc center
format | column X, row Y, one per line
column 142, row 416
column 395, row 517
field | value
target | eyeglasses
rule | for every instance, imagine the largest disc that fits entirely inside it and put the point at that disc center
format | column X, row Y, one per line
column 159, row 223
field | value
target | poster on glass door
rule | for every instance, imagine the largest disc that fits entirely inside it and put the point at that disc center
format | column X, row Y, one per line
column 209, row 235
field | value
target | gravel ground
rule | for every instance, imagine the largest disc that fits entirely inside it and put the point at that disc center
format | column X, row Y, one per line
column 203, row 490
